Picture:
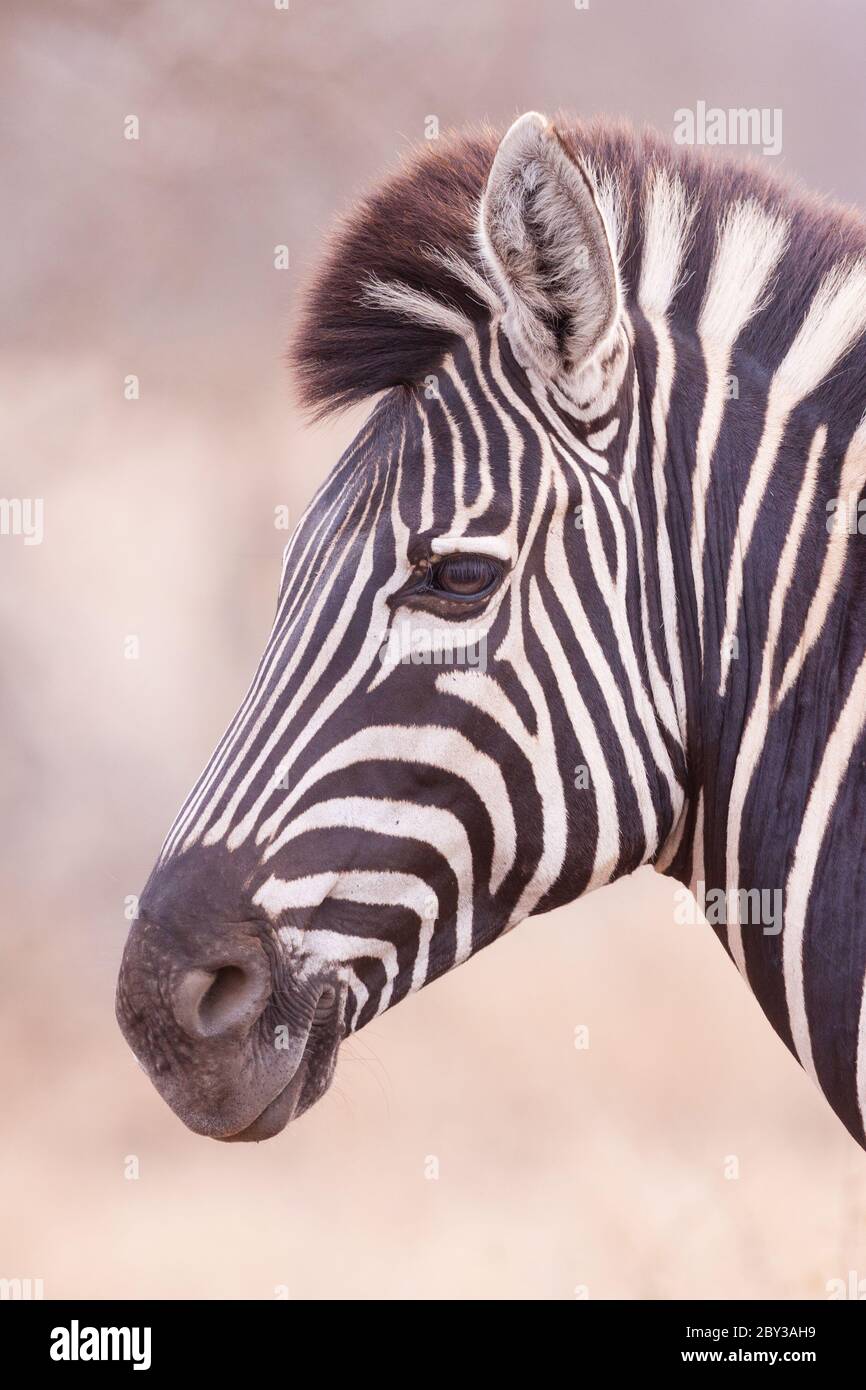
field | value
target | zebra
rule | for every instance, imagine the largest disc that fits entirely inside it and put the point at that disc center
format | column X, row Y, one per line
column 586, row 593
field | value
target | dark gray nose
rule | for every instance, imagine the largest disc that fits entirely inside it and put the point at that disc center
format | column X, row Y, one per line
column 205, row 985
column 227, row 999
column 221, row 1024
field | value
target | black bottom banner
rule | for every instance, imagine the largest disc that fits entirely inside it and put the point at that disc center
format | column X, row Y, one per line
column 68, row 1338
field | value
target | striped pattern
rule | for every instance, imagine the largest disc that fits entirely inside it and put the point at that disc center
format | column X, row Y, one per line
column 674, row 665
column 453, row 785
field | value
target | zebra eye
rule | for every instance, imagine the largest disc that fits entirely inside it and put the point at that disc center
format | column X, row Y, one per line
column 465, row 576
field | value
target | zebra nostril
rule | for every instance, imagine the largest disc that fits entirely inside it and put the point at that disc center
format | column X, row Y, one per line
column 208, row 1003
column 326, row 1001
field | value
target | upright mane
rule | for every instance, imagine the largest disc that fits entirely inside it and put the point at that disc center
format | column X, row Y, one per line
column 402, row 278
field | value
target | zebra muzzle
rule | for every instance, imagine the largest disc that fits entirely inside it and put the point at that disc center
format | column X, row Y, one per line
column 233, row 1042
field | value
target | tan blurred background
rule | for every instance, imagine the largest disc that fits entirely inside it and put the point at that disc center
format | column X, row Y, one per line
column 560, row 1169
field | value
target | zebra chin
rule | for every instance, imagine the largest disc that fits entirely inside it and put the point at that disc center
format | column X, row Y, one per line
column 234, row 1042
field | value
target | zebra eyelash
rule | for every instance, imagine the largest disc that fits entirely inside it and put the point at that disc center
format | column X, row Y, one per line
column 422, row 588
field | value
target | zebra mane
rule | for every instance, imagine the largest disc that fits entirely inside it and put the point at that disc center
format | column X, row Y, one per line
column 402, row 280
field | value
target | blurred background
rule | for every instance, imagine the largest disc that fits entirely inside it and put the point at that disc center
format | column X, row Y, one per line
column 562, row 1172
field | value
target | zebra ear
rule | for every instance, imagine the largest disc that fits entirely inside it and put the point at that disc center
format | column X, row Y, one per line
column 544, row 238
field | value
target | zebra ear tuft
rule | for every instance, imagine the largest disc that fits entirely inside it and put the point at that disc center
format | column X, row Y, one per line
column 544, row 238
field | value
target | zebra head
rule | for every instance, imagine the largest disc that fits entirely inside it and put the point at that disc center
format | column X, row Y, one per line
column 449, row 729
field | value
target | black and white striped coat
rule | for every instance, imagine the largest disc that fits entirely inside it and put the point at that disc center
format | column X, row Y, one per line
column 585, row 593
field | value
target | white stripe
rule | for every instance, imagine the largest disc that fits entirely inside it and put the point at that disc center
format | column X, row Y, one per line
column 748, row 251
column 834, row 765
column 428, row 745
column 668, row 218
column 377, row 889
column 851, row 483
column 431, row 825
column 496, row 546
column 755, row 734
column 835, row 321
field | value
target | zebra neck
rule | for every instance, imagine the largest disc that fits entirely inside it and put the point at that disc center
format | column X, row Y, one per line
column 763, row 574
